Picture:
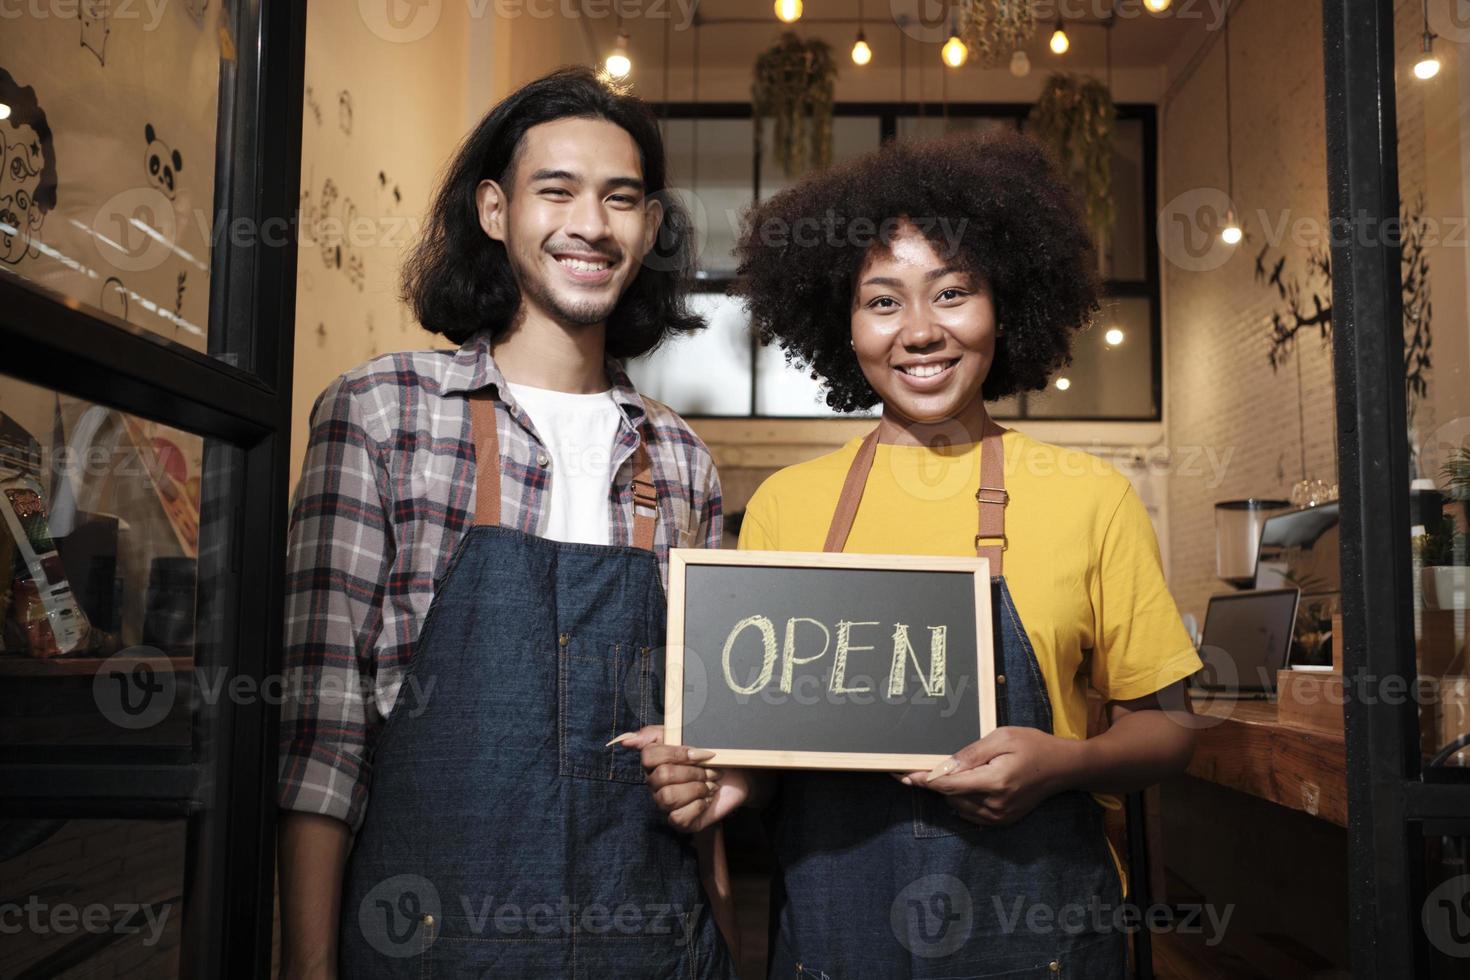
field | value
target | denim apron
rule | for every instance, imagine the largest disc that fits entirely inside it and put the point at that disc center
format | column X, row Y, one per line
column 877, row 879
column 503, row 837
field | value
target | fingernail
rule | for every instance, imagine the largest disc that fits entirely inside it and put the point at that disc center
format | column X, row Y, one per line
column 621, row 738
column 700, row 755
column 943, row 769
column 711, row 774
column 711, row 787
column 906, row 781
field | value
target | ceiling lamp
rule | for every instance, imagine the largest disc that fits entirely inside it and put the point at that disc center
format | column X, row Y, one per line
column 1428, row 66
column 1059, row 40
column 788, row 11
column 618, row 64
column 861, row 53
column 954, row 51
column 1113, row 337
column 1020, row 64
column 1231, row 233
column 1156, row 6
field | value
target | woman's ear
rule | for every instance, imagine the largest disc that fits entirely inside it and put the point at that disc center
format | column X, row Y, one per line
column 492, row 203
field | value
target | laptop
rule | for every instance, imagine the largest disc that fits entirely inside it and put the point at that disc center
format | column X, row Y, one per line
column 1246, row 640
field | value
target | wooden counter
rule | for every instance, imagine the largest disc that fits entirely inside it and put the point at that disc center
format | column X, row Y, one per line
column 1247, row 748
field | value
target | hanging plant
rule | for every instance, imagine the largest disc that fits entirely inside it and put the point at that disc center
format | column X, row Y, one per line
column 993, row 30
column 1074, row 116
column 793, row 83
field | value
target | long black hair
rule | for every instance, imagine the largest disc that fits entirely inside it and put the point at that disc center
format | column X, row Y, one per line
column 458, row 279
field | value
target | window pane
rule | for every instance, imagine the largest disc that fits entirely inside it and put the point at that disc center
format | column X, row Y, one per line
column 91, row 898
column 105, row 612
column 852, row 136
column 107, row 186
column 705, row 373
column 1111, row 374
column 1125, row 257
column 786, row 390
column 716, row 176
column 928, row 127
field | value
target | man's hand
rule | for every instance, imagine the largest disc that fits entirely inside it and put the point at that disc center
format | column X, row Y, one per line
column 694, row 797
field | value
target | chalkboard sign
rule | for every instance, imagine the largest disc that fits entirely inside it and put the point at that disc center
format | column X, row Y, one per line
column 828, row 661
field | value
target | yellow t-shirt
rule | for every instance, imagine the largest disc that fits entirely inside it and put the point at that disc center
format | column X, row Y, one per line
column 1081, row 562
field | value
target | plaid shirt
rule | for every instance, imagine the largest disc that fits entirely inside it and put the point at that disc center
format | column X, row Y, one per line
column 386, row 494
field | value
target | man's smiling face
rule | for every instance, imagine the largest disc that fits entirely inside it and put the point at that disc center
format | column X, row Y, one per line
column 578, row 223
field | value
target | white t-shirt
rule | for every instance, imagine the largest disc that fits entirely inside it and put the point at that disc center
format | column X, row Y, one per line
column 579, row 431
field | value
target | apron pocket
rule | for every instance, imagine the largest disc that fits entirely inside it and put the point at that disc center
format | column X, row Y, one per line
column 934, row 818
column 540, row 942
column 603, row 690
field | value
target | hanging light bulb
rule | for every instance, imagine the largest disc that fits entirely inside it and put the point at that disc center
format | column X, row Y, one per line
column 954, row 51
column 1157, row 6
column 861, row 53
column 788, row 11
column 4, row 110
column 1020, row 64
column 1231, row 233
column 1059, row 40
column 618, row 63
column 1113, row 337
column 1428, row 66
column 1063, row 384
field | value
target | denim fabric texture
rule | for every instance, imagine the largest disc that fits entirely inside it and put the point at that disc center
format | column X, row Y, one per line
column 878, row 879
column 504, row 838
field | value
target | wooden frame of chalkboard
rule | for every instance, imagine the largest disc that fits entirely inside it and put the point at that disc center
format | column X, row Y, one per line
column 976, row 570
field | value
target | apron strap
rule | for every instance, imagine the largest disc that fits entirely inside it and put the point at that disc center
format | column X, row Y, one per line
column 487, row 458
column 852, row 494
column 991, row 498
column 486, row 439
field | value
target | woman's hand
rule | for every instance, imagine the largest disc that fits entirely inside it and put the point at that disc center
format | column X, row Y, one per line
column 694, row 797
column 1005, row 775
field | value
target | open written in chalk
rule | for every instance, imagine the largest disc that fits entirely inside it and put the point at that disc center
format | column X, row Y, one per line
column 828, row 661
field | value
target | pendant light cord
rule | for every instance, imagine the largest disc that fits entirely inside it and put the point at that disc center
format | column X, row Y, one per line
column 1229, row 128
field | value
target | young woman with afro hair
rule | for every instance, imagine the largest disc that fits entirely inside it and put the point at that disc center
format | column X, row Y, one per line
column 931, row 278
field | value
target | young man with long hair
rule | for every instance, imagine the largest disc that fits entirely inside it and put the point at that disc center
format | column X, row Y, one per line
column 476, row 599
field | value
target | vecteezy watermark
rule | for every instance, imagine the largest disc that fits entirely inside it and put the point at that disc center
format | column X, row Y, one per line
column 134, row 689
column 405, row 21
column 930, row 21
column 41, row 918
column 1097, row 916
column 148, row 11
column 1446, row 917
column 933, row 916
column 405, row 914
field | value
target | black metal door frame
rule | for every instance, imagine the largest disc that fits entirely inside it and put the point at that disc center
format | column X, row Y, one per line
column 225, row 784
column 1389, row 803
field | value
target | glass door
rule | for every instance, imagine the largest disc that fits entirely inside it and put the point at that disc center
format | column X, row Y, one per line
column 147, row 274
column 1398, row 142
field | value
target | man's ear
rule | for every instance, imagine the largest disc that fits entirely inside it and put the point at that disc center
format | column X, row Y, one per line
column 492, row 204
column 653, row 209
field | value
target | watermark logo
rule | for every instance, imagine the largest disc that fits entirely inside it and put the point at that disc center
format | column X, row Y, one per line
column 400, row 21
column 134, row 229
column 397, row 916
column 1450, row 19
column 40, row 918
column 1189, row 229
column 131, row 692
column 933, row 916
column 1446, row 917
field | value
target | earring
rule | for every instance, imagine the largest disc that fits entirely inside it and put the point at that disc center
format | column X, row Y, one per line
column 851, row 344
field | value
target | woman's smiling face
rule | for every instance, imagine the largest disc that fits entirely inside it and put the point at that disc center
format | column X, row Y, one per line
column 923, row 330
